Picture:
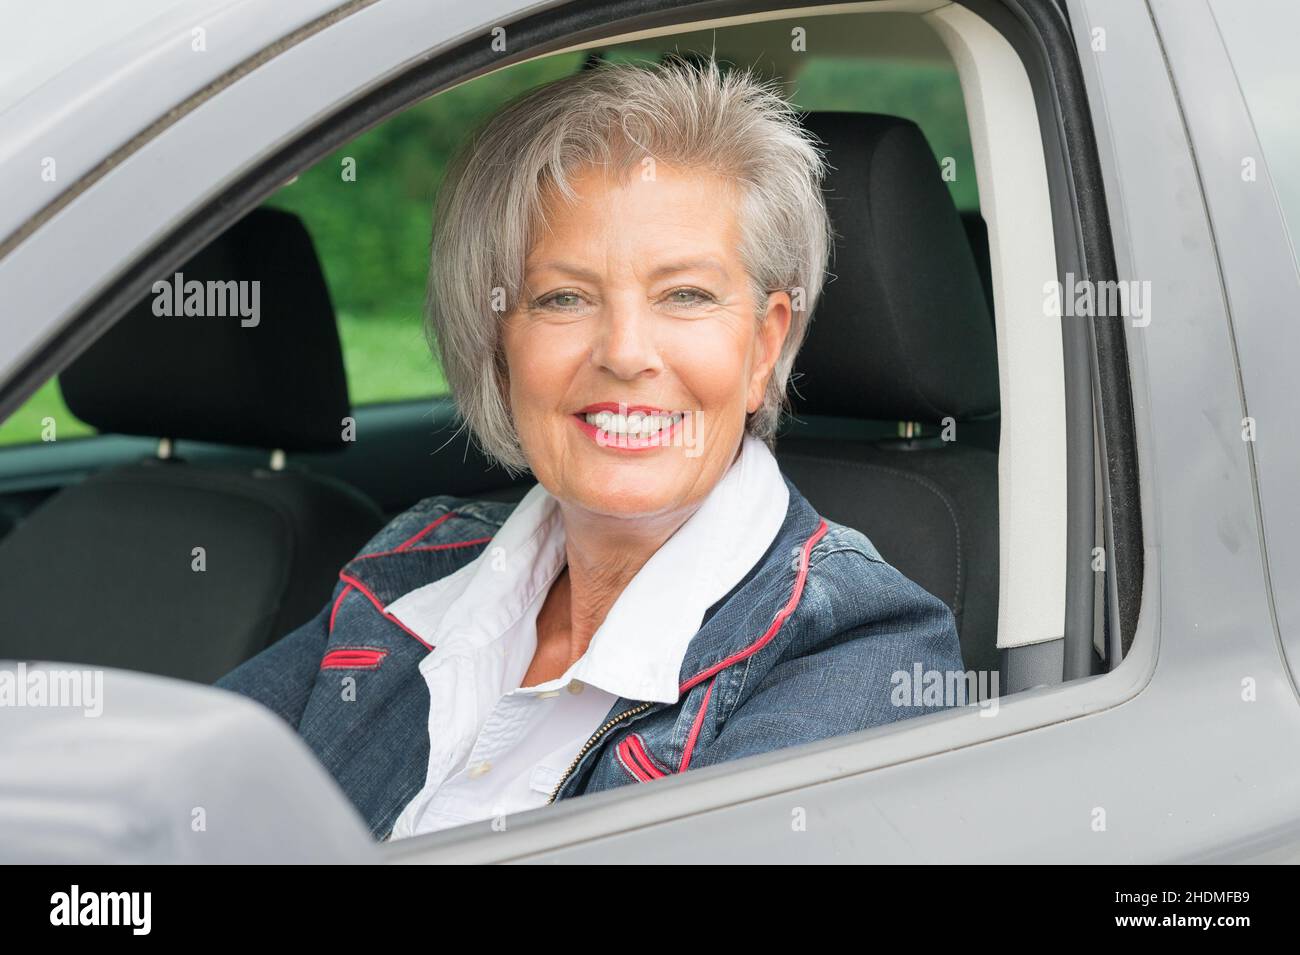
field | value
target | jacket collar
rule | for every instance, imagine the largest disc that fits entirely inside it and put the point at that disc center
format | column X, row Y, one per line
column 759, row 593
column 748, row 617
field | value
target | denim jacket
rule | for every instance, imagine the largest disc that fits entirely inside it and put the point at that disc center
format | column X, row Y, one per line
column 814, row 642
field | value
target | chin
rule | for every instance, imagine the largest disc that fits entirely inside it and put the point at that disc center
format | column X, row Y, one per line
column 628, row 491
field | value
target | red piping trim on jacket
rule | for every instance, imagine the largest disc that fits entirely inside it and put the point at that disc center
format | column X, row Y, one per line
column 626, row 760
column 406, row 545
column 789, row 608
column 353, row 658
column 380, row 607
column 780, row 618
column 449, row 546
column 337, row 601
column 427, row 528
column 404, row 549
column 636, row 748
column 409, row 543
column 695, row 728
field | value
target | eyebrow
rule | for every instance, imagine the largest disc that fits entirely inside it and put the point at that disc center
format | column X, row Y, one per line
column 708, row 263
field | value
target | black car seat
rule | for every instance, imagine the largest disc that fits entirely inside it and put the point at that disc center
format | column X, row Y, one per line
column 902, row 336
column 183, row 569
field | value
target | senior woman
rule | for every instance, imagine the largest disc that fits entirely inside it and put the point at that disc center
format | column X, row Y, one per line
column 624, row 264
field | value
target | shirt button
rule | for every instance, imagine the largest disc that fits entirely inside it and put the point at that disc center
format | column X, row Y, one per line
column 480, row 769
column 576, row 687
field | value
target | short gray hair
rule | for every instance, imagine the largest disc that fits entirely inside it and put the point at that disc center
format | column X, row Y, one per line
column 691, row 115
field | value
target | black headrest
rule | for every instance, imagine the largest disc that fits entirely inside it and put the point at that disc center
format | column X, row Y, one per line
column 902, row 332
column 269, row 377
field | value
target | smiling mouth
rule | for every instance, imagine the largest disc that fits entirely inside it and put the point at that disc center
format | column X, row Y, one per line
column 635, row 424
column 632, row 429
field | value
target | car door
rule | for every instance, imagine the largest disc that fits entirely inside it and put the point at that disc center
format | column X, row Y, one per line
column 1142, row 761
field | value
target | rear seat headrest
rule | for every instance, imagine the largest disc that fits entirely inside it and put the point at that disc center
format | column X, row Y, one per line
column 264, row 377
column 902, row 332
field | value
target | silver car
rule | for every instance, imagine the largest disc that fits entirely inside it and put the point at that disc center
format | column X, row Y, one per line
column 1120, row 540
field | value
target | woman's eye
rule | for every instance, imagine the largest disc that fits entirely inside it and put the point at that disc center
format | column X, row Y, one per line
column 560, row 300
column 688, row 296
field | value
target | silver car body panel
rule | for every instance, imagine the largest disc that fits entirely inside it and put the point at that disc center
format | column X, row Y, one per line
column 163, row 771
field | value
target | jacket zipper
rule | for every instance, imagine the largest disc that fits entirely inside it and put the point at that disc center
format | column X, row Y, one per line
column 586, row 748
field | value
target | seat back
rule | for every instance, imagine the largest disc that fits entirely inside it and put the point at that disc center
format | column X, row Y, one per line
column 902, row 334
column 181, row 569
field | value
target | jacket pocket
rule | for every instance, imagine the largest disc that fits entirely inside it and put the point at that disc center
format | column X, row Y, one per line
column 353, row 658
column 635, row 758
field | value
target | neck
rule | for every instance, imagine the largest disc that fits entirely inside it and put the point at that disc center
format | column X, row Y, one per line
column 603, row 554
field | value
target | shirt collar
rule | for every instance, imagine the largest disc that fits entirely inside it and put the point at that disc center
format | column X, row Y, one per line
column 638, row 650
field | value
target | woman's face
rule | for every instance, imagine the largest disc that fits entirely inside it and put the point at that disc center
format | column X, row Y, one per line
column 636, row 301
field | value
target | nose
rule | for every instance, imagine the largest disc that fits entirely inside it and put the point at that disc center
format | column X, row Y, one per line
column 625, row 343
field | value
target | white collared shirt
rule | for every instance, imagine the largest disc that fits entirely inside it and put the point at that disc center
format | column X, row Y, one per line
column 497, row 748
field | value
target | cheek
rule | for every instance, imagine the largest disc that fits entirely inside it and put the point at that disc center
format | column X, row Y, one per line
column 541, row 367
column 713, row 362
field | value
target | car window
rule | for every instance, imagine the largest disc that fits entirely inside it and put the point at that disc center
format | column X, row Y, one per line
column 367, row 207
column 928, row 94
column 43, row 417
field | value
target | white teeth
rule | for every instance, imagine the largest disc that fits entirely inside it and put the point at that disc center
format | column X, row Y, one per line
column 637, row 424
